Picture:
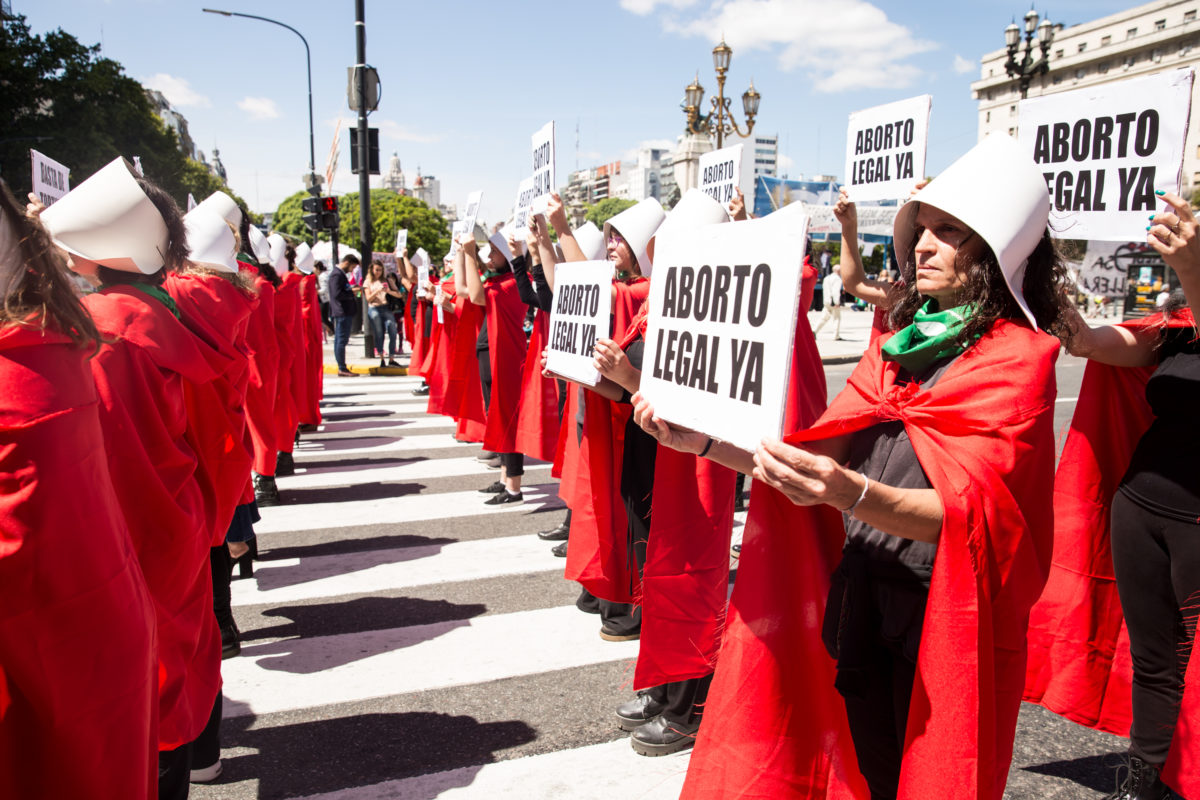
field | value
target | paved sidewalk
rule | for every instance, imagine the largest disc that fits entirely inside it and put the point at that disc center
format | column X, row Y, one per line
column 855, row 335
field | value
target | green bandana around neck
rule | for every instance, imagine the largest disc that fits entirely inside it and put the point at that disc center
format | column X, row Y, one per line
column 159, row 294
column 931, row 336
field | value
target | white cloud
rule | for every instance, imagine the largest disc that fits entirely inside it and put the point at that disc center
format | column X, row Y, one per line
column 177, row 91
column 259, row 107
column 962, row 65
column 644, row 7
column 841, row 46
column 786, row 162
column 388, row 129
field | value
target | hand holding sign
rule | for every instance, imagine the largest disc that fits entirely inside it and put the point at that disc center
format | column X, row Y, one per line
column 668, row 435
column 806, row 478
column 1173, row 233
column 612, row 363
column 556, row 212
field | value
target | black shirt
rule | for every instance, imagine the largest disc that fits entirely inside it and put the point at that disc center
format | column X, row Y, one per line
column 1163, row 475
column 342, row 302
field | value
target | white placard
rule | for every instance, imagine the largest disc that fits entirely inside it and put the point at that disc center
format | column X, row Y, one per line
column 723, row 305
column 721, row 170
column 472, row 213
column 438, row 297
column 1104, row 150
column 582, row 304
column 401, row 240
column 51, row 180
column 543, row 167
column 872, row 220
column 422, row 269
column 457, row 228
column 885, row 149
column 522, row 208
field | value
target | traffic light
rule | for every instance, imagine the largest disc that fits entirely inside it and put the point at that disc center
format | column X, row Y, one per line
column 312, row 208
column 329, row 213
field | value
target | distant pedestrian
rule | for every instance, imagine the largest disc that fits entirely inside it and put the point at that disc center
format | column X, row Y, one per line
column 831, row 289
column 342, row 306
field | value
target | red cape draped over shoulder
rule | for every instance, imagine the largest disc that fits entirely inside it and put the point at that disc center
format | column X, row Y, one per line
column 537, row 421
column 78, row 689
column 1079, row 661
column 506, row 351
column 309, row 404
column 440, row 358
column 419, row 342
column 218, row 313
column 984, row 435
column 599, row 555
column 145, row 374
column 291, row 361
column 464, row 392
column 264, row 372
column 808, row 285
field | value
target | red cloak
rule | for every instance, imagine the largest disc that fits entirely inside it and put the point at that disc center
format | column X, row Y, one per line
column 505, row 321
column 309, row 404
column 218, row 313
column 264, row 372
column 78, row 696
column 808, row 285
column 291, row 361
column 420, row 343
column 146, row 374
column 1079, row 661
column 598, row 556
column 464, row 392
column 439, row 359
column 537, row 421
column 984, row 435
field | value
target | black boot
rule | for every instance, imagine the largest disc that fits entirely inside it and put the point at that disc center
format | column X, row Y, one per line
column 1141, row 783
column 231, row 643
column 266, row 493
column 661, row 737
column 285, row 464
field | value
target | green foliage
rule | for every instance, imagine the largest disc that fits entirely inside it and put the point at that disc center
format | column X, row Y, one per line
column 389, row 213
column 606, row 209
column 61, row 98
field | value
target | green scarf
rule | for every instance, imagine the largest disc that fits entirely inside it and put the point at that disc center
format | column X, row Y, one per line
column 159, row 294
column 929, row 338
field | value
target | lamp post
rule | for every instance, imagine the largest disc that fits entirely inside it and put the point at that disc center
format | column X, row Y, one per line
column 720, row 121
column 314, row 185
column 1029, row 64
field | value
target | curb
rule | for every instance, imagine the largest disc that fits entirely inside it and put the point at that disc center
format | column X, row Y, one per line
column 850, row 359
column 358, row 369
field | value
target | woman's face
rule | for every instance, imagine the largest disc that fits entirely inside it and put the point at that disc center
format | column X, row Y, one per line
column 946, row 249
column 377, row 272
column 496, row 260
column 620, row 253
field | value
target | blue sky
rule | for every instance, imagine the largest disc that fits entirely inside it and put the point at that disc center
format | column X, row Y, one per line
column 465, row 84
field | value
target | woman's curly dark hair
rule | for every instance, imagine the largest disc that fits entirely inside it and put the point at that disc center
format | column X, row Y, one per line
column 1045, row 287
column 45, row 296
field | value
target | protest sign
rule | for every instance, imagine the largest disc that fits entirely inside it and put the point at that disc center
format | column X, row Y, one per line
column 420, row 262
column 1104, row 150
column 51, row 180
column 401, row 240
column 722, row 317
column 582, row 304
column 457, row 228
column 872, row 220
column 390, row 266
column 438, row 298
column 472, row 212
column 885, row 149
column 522, row 209
column 722, row 170
column 543, row 167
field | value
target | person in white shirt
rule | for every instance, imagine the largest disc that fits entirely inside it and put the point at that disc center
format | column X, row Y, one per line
column 1163, row 297
column 831, row 288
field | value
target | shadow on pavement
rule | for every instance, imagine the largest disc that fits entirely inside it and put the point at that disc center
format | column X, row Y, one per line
column 1098, row 773
column 361, row 615
column 352, row 493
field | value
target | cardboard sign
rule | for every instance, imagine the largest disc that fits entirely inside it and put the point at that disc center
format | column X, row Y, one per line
column 582, row 303
column 522, row 209
column 885, row 149
column 438, row 298
column 457, row 228
column 1104, row 150
column 722, row 170
column 543, row 167
column 472, row 213
column 872, row 220
column 421, row 262
column 723, row 305
column 51, row 180
column 401, row 240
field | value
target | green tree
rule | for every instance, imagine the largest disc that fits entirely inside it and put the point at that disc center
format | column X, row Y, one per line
column 606, row 209
column 60, row 97
column 389, row 213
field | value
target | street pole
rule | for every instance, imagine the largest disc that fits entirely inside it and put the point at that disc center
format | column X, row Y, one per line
column 364, row 171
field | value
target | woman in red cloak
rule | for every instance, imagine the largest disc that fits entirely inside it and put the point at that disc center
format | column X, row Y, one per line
column 150, row 370
column 439, row 357
column 291, row 353
column 1127, row 502
column 264, row 363
column 939, row 453
column 64, row 731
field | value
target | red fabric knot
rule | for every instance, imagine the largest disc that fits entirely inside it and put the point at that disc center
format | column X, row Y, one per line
column 896, row 399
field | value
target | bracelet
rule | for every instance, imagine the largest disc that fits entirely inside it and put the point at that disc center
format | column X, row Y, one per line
column 707, row 447
column 866, row 485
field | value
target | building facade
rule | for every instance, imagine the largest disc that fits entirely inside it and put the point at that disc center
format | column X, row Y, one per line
column 1144, row 40
column 393, row 179
column 766, row 156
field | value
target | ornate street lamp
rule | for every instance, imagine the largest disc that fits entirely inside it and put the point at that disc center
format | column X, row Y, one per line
column 720, row 121
column 1030, row 64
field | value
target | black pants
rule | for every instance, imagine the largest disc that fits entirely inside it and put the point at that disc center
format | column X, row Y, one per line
column 513, row 463
column 1156, row 560
column 878, row 718
column 206, row 749
column 637, row 492
column 174, row 773
column 221, row 566
column 684, row 699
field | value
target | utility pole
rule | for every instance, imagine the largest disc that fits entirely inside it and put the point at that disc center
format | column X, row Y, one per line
column 364, row 172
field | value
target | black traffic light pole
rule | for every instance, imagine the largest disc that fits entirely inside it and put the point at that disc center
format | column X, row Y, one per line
column 364, row 169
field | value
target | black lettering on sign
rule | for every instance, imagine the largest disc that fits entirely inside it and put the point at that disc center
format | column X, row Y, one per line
column 1092, row 138
column 588, row 343
column 885, row 137
column 1137, row 188
column 747, row 368
column 1082, row 192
